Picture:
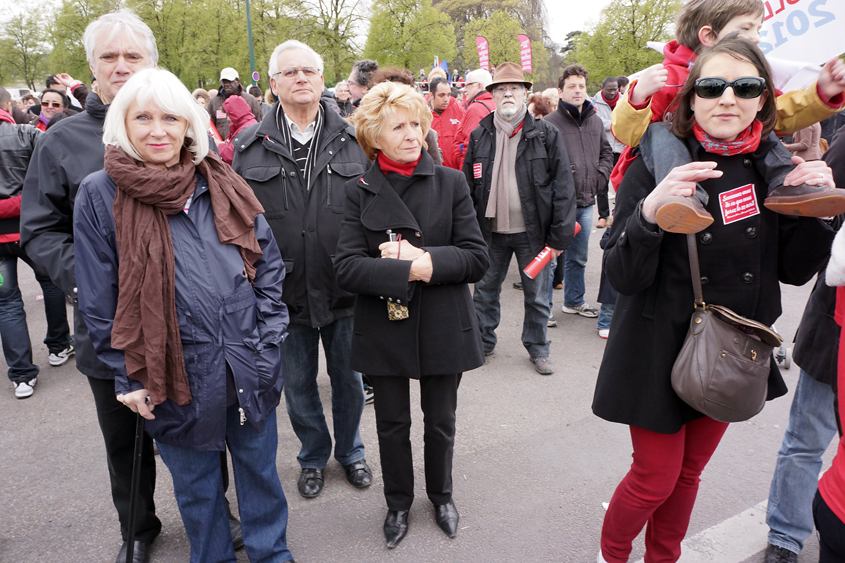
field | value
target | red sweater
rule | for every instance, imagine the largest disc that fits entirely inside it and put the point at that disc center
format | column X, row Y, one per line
column 832, row 483
column 480, row 107
column 446, row 124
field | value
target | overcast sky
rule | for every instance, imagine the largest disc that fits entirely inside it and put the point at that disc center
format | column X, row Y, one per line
column 572, row 15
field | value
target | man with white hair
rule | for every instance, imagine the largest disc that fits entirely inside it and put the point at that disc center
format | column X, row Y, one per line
column 116, row 45
column 479, row 105
column 297, row 161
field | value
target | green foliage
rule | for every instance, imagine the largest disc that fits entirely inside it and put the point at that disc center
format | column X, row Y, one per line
column 65, row 35
column 617, row 44
column 23, row 52
column 409, row 34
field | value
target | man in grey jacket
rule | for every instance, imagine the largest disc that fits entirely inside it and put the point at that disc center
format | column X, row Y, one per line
column 583, row 136
column 297, row 161
column 605, row 102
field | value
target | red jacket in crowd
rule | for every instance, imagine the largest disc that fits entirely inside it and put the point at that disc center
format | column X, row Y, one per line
column 446, row 124
column 478, row 108
column 241, row 116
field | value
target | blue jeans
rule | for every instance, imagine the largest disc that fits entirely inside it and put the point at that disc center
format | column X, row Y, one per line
column 14, row 333
column 662, row 151
column 812, row 426
column 300, row 354
column 575, row 259
column 488, row 290
column 198, row 485
column 605, row 315
column 552, row 267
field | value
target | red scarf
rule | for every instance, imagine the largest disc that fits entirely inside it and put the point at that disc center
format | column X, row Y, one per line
column 745, row 143
column 6, row 116
column 388, row 165
column 611, row 103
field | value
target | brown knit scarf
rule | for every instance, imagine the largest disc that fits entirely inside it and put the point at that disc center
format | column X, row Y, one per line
column 146, row 327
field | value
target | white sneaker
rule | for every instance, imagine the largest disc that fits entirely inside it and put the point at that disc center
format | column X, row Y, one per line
column 604, row 333
column 61, row 358
column 25, row 389
column 583, row 309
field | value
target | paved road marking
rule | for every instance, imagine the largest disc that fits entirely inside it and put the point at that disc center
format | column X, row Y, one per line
column 731, row 541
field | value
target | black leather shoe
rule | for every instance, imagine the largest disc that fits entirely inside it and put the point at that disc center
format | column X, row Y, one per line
column 359, row 474
column 775, row 554
column 139, row 555
column 395, row 527
column 234, row 528
column 446, row 516
column 310, row 482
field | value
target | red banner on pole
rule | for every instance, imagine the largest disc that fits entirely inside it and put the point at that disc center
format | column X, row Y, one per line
column 483, row 52
column 525, row 52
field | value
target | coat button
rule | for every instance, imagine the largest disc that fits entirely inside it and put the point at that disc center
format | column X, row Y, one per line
column 706, row 238
column 751, row 232
column 418, row 234
column 240, row 390
column 303, row 233
column 399, row 301
column 381, row 297
column 390, row 299
column 330, row 152
column 747, row 277
column 705, row 280
column 292, row 174
column 343, row 138
column 746, row 162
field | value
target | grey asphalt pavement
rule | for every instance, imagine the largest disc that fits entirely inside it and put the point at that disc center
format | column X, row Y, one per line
column 532, row 464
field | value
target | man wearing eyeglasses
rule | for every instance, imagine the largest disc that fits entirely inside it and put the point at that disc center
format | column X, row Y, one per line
column 230, row 85
column 519, row 177
column 297, row 161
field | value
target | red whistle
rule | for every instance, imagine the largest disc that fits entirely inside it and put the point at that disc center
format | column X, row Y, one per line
column 536, row 266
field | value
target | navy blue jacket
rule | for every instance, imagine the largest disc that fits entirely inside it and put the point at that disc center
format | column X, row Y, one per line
column 222, row 319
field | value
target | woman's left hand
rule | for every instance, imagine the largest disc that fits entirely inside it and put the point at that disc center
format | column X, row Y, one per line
column 815, row 172
column 403, row 250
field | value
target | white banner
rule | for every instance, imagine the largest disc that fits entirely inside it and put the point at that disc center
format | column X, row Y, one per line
column 798, row 36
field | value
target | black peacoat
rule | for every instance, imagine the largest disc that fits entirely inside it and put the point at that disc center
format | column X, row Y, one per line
column 741, row 263
column 441, row 335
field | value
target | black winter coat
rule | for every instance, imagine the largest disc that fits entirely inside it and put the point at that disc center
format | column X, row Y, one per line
column 63, row 157
column 817, row 340
column 589, row 152
column 306, row 222
column 543, row 175
column 440, row 336
column 741, row 263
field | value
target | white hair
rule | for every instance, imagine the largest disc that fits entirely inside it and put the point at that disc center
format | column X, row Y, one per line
column 167, row 92
column 292, row 44
column 104, row 29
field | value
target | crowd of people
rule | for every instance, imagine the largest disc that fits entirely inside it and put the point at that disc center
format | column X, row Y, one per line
column 210, row 241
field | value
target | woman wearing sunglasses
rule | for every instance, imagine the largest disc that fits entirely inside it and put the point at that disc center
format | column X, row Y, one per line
column 724, row 113
column 53, row 103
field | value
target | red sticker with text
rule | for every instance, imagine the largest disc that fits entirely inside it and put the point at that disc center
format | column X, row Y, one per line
column 476, row 170
column 738, row 204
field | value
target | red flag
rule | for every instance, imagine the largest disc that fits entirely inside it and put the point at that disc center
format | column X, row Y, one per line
column 483, row 52
column 525, row 52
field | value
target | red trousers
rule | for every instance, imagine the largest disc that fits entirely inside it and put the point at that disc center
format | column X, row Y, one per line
column 659, row 490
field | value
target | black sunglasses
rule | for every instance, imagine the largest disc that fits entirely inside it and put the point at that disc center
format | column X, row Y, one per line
column 747, row 87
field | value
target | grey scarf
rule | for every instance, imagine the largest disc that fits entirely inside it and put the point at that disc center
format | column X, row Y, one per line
column 499, row 204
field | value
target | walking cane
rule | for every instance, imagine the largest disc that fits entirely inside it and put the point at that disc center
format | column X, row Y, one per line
column 136, row 482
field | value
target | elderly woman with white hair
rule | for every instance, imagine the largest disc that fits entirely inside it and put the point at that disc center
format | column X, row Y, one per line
column 179, row 281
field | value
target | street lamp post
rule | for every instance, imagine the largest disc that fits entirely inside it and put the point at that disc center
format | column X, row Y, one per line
column 251, row 51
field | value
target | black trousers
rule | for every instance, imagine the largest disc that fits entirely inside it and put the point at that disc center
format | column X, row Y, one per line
column 602, row 197
column 831, row 532
column 439, row 400
column 117, row 424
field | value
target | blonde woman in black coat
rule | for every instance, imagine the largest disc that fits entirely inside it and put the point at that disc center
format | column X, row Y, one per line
column 414, row 317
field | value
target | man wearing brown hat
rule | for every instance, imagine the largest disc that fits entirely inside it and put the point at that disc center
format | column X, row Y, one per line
column 519, row 176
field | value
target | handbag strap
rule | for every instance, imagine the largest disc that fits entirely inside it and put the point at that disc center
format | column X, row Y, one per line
column 694, row 271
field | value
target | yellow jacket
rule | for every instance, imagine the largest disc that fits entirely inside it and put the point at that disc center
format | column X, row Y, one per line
column 796, row 110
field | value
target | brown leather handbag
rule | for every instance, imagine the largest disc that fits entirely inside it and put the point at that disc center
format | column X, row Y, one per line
column 722, row 369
